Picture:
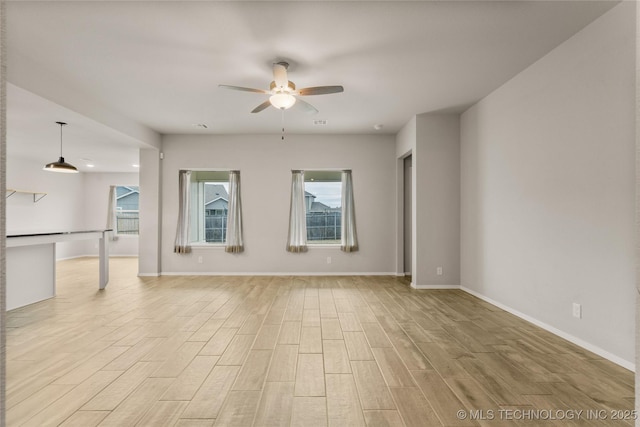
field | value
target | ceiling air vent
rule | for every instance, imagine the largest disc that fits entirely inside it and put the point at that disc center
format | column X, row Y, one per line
column 320, row 122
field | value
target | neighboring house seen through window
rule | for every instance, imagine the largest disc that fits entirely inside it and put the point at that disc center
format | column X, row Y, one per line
column 323, row 197
column 127, row 210
column 209, row 206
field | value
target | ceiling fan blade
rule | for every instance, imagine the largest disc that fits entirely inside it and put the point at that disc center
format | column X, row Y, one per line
column 280, row 75
column 244, row 89
column 320, row 90
column 306, row 107
column 262, row 106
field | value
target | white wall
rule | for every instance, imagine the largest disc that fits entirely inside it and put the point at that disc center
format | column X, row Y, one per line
column 96, row 199
column 548, row 189
column 265, row 163
column 61, row 209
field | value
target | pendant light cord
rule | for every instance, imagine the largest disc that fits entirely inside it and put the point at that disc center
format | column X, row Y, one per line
column 61, row 125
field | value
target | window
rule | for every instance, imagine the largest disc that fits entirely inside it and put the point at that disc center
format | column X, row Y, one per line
column 127, row 210
column 209, row 206
column 323, row 197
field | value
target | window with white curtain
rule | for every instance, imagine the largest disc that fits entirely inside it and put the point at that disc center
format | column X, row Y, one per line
column 323, row 198
column 209, row 206
column 127, row 210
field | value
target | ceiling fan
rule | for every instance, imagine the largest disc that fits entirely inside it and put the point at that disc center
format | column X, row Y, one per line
column 284, row 93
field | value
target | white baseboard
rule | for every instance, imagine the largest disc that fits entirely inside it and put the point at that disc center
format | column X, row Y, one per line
column 283, row 273
column 148, row 275
column 575, row 340
column 96, row 256
column 434, row 287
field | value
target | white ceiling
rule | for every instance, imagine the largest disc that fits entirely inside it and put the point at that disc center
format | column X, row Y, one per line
column 160, row 63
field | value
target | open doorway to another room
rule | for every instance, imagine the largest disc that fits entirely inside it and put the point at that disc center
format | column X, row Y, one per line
column 408, row 215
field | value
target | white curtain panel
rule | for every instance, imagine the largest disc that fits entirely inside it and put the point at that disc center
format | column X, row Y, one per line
column 349, row 242
column 111, row 213
column 182, row 233
column 297, row 240
column 234, row 242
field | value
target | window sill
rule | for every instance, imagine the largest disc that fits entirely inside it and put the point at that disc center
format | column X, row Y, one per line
column 323, row 245
column 126, row 236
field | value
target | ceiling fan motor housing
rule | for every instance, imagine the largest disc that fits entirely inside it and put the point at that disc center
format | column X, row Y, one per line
column 291, row 86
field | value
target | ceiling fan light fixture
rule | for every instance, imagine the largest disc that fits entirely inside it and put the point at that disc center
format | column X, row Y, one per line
column 60, row 165
column 283, row 101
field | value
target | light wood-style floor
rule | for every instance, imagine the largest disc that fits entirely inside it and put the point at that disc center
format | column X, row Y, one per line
column 291, row 351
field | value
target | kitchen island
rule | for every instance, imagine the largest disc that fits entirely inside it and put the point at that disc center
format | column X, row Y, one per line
column 31, row 263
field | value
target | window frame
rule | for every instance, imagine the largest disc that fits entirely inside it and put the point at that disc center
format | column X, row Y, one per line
column 199, row 178
column 118, row 210
column 323, row 175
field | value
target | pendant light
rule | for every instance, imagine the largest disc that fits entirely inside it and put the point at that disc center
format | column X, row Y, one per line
column 60, row 165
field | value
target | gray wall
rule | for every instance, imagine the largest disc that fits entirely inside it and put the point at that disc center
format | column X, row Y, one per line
column 433, row 140
column 548, row 189
column 265, row 163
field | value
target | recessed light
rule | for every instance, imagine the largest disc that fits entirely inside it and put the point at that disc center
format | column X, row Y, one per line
column 89, row 165
column 136, row 166
column 379, row 126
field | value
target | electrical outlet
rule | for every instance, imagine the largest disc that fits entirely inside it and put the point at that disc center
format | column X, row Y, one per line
column 439, row 271
column 200, row 260
column 577, row 310
column 328, row 260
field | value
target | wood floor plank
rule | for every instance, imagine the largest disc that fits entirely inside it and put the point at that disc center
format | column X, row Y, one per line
column 190, row 379
column 136, row 405
column 442, row 399
column 254, row 371
column 239, row 409
column 309, row 412
column 386, row 418
column 283, row 364
column 85, row 419
column 393, row 370
column 310, row 340
column 357, row 346
column 311, row 317
column 237, row 350
column 267, row 337
column 373, row 391
column 349, row 322
column 111, row 396
column 72, row 401
column 275, row 405
column 219, row 342
column 210, row 397
column 343, row 405
column 178, row 359
column 376, row 335
column 414, row 408
column 331, row 329
column 310, row 376
column 290, row 333
column 163, row 413
column 336, row 358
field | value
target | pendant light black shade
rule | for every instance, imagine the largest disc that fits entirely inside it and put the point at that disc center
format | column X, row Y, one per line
column 60, row 165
